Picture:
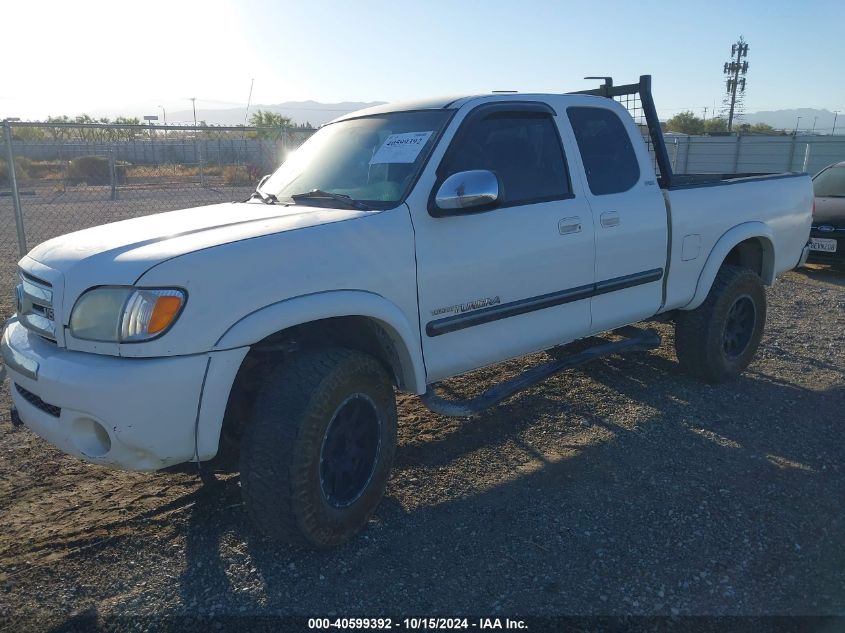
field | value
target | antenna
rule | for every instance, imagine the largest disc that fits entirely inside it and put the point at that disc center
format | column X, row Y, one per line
column 734, row 72
column 249, row 100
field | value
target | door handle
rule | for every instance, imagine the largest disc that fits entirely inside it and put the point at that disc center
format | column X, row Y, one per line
column 609, row 219
column 569, row 225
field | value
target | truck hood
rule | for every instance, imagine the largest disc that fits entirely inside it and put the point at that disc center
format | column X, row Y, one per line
column 119, row 253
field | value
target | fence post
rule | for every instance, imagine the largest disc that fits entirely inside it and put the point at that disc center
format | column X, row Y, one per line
column 200, row 157
column 675, row 154
column 686, row 154
column 13, row 185
column 791, row 153
column 112, row 173
column 736, row 154
column 806, row 158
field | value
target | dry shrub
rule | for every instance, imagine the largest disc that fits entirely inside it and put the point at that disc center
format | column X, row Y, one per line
column 94, row 170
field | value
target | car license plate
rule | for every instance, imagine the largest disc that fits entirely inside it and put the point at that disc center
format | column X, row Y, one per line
column 821, row 244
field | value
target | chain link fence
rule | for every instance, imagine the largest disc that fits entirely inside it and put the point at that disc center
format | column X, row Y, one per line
column 73, row 176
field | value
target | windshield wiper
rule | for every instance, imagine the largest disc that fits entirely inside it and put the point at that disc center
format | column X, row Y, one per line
column 317, row 194
column 266, row 198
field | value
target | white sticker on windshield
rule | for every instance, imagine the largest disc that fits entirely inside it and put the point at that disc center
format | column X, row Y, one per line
column 401, row 148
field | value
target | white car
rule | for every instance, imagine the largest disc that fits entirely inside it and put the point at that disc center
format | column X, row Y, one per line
column 399, row 246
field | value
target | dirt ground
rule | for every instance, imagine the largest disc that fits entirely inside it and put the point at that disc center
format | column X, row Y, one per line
column 622, row 487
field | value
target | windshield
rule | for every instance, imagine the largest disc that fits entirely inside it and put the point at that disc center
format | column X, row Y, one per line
column 372, row 159
column 830, row 183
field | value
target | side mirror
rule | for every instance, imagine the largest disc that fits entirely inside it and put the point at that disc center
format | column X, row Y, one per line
column 467, row 190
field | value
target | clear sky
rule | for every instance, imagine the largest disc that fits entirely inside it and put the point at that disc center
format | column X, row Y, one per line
column 73, row 56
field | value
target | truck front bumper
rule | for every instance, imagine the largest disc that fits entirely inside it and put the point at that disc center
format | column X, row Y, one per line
column 127, row 413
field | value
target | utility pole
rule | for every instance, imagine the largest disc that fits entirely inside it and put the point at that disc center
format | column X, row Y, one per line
column 705, row 114
column 797, row 121
column 732, row 70
column 194, row 106
column 835, row 114
column 164, row 116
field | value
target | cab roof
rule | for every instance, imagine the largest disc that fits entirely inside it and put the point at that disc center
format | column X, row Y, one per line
column 432, row 103
column 452, row 102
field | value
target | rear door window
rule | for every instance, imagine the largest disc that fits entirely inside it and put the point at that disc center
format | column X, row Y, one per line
column 608, row 155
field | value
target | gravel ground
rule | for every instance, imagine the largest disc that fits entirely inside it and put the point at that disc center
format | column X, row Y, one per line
column 619, row 488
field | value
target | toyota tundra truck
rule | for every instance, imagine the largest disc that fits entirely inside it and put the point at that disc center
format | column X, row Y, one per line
column 399, row 246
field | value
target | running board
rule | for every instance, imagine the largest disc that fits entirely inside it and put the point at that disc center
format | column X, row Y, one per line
column 635, row 340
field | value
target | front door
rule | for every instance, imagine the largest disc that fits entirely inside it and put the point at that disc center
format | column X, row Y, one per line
column 514, row 279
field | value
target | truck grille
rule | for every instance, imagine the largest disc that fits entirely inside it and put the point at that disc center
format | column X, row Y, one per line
column 34, row 298
column 38, row 403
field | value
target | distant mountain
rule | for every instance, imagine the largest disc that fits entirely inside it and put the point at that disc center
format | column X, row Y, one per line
column 786, row 119
column 301, row 112
column 317, row 113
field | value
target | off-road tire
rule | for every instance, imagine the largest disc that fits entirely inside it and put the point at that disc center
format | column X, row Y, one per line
column 280, row 456
column 700, row 333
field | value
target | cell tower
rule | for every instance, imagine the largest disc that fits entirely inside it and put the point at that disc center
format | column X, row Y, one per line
column 735, row 71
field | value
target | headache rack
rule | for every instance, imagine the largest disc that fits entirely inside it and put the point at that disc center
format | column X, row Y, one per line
column 638, row 101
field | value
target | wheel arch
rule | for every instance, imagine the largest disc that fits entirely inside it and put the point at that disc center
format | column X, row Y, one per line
column 298, row 311
column 750, row 244
column 355, row 319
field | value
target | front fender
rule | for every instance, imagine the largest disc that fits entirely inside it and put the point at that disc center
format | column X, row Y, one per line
column 337, row 303
column 723, row 246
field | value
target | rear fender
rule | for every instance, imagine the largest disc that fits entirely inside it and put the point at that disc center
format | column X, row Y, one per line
column 724, row 245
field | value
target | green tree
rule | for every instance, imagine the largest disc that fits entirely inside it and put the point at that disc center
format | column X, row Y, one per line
column 272, row 124
column 715, row 125
column 685, row 123
column 28, row 133
column 126, row 134
column 265, row 118
column 763, row 128
column 58, row 133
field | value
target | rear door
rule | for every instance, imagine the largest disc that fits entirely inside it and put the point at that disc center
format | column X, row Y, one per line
column 507, row 281
column 631, row 226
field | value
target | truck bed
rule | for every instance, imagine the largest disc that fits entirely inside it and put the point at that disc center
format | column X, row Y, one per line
column 690, row 181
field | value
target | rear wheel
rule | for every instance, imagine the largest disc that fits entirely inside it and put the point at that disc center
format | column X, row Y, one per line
column 316, row 455
column 716, row 341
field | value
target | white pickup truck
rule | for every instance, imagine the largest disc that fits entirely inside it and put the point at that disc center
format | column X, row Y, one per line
column 399, row 246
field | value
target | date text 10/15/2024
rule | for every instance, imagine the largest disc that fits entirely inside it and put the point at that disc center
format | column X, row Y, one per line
column 417, row 623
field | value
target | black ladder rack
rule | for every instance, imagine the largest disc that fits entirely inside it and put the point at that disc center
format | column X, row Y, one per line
column 638, row 101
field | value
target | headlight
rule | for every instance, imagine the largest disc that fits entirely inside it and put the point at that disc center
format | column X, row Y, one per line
column 121, row 314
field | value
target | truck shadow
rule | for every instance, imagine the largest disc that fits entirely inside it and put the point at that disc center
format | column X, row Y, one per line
column 833, row 273
column 705, row 501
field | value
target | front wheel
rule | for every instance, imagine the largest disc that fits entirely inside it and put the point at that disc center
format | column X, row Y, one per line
column 316, row 455
column 716, row 341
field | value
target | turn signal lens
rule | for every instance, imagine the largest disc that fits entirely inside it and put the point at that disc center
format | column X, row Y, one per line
column 164, row 312
column 149, row 312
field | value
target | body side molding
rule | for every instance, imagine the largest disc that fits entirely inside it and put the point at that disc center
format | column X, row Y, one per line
column 531, row 304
